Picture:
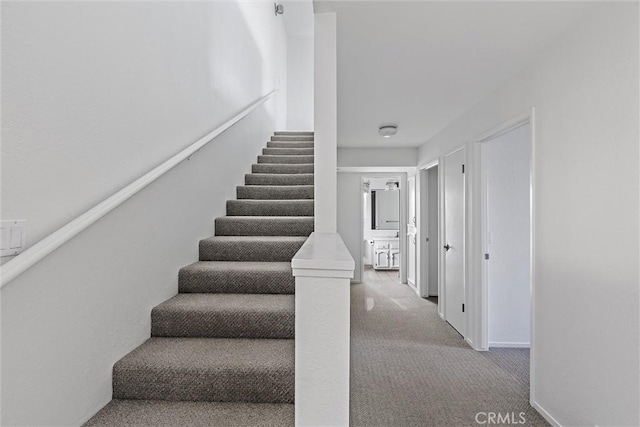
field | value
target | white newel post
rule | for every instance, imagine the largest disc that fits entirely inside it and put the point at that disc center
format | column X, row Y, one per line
column 322, row 269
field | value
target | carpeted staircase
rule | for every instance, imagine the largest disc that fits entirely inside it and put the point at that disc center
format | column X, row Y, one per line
column 221, row 352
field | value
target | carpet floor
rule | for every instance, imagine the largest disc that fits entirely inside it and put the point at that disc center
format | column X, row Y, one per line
column 411, row 368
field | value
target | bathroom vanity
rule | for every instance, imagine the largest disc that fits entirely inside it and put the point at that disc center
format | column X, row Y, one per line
column 386, row 253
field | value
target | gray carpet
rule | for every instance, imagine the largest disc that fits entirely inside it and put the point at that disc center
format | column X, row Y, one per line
column 237, row 277
column 410, row 368
column 147, row 413
column 221, row 352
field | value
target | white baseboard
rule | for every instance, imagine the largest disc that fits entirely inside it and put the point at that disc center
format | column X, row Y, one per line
column 470, row 342
column 547, row 416
column 510, row 344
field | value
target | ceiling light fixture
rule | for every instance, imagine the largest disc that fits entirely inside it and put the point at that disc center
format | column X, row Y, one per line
column 387, row 131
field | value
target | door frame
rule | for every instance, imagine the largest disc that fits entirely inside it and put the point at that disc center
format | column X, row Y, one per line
column 480, row 267
column 386, row 172
column 423, row 248
column 416, row 284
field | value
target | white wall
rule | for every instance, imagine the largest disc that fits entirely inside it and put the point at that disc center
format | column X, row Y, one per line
column 584, row 89
column 349, row 213
column 508, row 160
column 300, row 82
column 384, row 157
column 326, row 121
column 95, row 95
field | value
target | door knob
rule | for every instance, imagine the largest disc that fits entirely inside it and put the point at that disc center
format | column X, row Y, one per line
column 446, row 247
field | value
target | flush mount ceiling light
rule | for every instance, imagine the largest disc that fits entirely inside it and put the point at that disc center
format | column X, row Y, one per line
column 387, row 131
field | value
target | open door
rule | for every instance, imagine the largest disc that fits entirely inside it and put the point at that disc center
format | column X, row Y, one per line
column 454, row 239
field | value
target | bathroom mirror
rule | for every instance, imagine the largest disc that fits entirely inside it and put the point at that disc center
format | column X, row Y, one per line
column 385, row 209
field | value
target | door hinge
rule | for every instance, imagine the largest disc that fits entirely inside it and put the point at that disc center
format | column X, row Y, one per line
column 463, row 307
column 486, row 256
column 462, row 168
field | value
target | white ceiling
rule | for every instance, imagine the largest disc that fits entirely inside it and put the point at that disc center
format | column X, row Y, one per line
column 420, row 65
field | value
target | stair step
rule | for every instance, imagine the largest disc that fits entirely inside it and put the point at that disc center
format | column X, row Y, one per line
column 275, row 192
column 250, row 248
column 145, row 413
column 289, row 159
column 292, row 138
column 264, row 226
column 248, row 207
column 207, row 369
column 294, row 132
column 237, row 277
column 278, row 179
column 290, row 144
column 280, row 151
column 282, row 169
column 225, row 316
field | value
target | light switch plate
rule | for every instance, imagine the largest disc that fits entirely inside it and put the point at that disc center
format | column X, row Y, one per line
column 13, row 237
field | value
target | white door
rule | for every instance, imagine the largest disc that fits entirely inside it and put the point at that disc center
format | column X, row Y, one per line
column 411, row 232
column 454, row 239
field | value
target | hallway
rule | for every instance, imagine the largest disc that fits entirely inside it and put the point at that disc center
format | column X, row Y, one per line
column 410, row 368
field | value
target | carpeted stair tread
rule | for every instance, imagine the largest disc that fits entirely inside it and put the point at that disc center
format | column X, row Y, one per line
column 278, row 179
column 281, row 168
column 292, row 137
column 264, row 226
column 290, row 144
column 207, row 369
column 294, row 132
column 237, row 277
column 286, row 159
column 225, row 316
column 279, row 151
column 146, row 413
column 221, row 352
column 275, row 192
column 247, row 207
column 250, row 248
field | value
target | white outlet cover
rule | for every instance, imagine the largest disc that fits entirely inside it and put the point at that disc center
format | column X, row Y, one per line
column 13, row 237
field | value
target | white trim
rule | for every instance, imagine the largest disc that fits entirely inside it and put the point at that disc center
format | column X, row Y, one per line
column 402, row 237
column 509, row 344
column 478, row 266
column 506, row 126
column 44, row 247
column 547, row 416
column 376, row 169
column 429, row 164
column 527, row 117
column 422, row 249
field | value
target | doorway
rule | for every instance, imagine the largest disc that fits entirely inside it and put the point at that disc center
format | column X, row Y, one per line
column 430, row 231
column 506, row 234
column 381, row 223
